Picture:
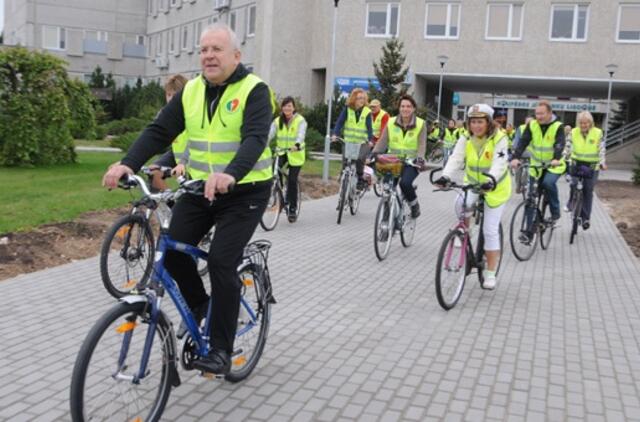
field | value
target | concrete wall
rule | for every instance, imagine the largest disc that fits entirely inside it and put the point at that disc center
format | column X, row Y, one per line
column 623, row 156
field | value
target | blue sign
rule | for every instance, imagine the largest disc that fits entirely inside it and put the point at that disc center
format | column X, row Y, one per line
column 456, row 98
column 347, row 84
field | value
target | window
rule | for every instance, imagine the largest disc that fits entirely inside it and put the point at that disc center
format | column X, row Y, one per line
column 54, row 38
column 569, row 22
column 212, row 19
column 140, row 39
column 232, row 20
column 382, row 19
column 159, row 44
column 185, row 36
column 96, row 35
column 172, row 37
column 221, row 3
column 174, row 3
column 197, row 30
column 442, row 20
column 628, row 23
column 504, row 21
column 251, row 21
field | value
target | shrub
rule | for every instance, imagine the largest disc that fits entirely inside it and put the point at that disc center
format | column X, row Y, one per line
column 101, row 132
column 125, row 141
column 35, row 120
column 120, row 127
column 636, row 171
column 81, row 106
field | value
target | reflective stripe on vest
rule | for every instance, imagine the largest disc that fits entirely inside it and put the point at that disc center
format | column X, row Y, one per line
column 477, row 163
column 377, row 123
column 287, row 137
column 586, row 149
column 541, row 147
column 356, row 132
column 213, row 143
column 404, row 144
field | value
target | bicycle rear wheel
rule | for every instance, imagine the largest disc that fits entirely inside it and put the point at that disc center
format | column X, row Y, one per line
column 354, row 200
column 253, row 323
column 383, row 228
column 342, row 196
column 451, row 270
column 126, row 256
column 271, row 214
column 102, row 383
column 546, row 225
column 408, row 229
column 576, row 211
column 523, row 248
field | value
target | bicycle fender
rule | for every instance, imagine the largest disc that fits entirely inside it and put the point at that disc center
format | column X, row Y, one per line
column 131, row 299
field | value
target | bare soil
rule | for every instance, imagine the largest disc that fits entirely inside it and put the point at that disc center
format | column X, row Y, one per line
column 622, row 201
column 55, row 244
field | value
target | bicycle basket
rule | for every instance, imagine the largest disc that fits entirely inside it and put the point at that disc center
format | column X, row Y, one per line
column 351, row 150
column 389, row 164
column 581, row 170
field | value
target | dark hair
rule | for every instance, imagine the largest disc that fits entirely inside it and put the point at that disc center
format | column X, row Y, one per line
column 408, row 98
column 284, row 102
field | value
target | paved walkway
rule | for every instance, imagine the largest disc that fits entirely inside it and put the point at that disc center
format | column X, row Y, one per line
column 355, row 339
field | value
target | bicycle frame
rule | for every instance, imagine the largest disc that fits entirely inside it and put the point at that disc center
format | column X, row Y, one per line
column 161, row 281
column 467, row 245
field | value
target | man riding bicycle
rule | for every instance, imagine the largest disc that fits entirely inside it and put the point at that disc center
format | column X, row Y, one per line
column 545, row 138
column 227, row 113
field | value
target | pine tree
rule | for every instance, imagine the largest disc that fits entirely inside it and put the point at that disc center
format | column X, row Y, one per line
column 619, row 117
column 391, row 75
column 97, row 78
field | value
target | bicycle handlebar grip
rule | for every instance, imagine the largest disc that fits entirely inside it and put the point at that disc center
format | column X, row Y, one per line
column 434, row 171
column 127, row 181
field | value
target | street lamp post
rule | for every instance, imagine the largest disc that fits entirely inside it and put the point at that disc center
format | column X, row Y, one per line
column 611, row 68
column 327, row 139
column 443, row 60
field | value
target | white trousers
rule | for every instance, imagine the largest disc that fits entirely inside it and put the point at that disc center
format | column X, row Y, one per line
column 492, row 217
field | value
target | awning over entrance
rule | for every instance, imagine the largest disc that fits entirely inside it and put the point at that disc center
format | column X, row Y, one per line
column 533, row 85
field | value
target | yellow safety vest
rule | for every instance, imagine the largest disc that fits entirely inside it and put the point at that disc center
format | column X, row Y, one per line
column 356, row 131
column 541, row 148
column 450, row 137
column 435, row 133
column 478, row 162
column 377, row 123
column 179, row 145
column 586, row 149
column 404, row 144
column 287, row 137
column 213, row 144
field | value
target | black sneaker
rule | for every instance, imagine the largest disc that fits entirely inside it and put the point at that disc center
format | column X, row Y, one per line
column 362, row 184
column 525, row 237
column 216, row 362
column 586, row 225
column 415, row 210
column 199, row 313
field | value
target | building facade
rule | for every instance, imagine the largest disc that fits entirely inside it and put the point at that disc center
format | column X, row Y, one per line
column 509, row 51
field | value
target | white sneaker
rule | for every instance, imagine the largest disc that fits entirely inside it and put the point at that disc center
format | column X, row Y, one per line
column 489, row 281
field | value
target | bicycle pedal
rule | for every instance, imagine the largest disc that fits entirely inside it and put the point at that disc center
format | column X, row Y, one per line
column 211, row 376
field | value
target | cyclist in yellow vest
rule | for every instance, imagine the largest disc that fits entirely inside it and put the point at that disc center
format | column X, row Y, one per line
column 450, row 137
column 461, row 130
column 545, row 138
column 227, row 113
column 406, row 137
column 587, row 150
column 356, row 126
column 484, row 152
column 435, row 134
column 289, row 129
column 379, row 117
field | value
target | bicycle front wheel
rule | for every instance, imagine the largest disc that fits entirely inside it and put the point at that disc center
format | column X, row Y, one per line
column 253, row 323
column 523, row 236
column 271, row 214
column 377, row 188
column 105, row 384
column 451, row 270
column 383, row 229
column 342, row 196
column 576, row 211
column 546, row 225
column 126, row 256
column 408, row 229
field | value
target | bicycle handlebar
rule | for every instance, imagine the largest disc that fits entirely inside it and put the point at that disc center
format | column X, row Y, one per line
column 164, row 171
column 453, row 185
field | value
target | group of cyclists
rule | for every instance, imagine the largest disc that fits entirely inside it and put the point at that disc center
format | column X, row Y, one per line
column 220, row 126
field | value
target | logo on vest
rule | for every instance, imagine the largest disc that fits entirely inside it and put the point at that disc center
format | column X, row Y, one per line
column 233, row 105
column 487, row 155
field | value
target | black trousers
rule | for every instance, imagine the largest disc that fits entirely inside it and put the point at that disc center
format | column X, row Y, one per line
column 292, row 181
column 236, row 216
column 409, row 174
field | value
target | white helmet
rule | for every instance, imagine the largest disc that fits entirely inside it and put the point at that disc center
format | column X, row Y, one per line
column 480, row 110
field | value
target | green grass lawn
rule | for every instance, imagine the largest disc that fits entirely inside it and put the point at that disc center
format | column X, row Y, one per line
column 93, row 143
column 33, row 196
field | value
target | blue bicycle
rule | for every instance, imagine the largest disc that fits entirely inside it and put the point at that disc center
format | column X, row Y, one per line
column 128, row 362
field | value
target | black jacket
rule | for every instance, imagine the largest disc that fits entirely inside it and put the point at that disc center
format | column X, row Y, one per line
column 170, row 123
